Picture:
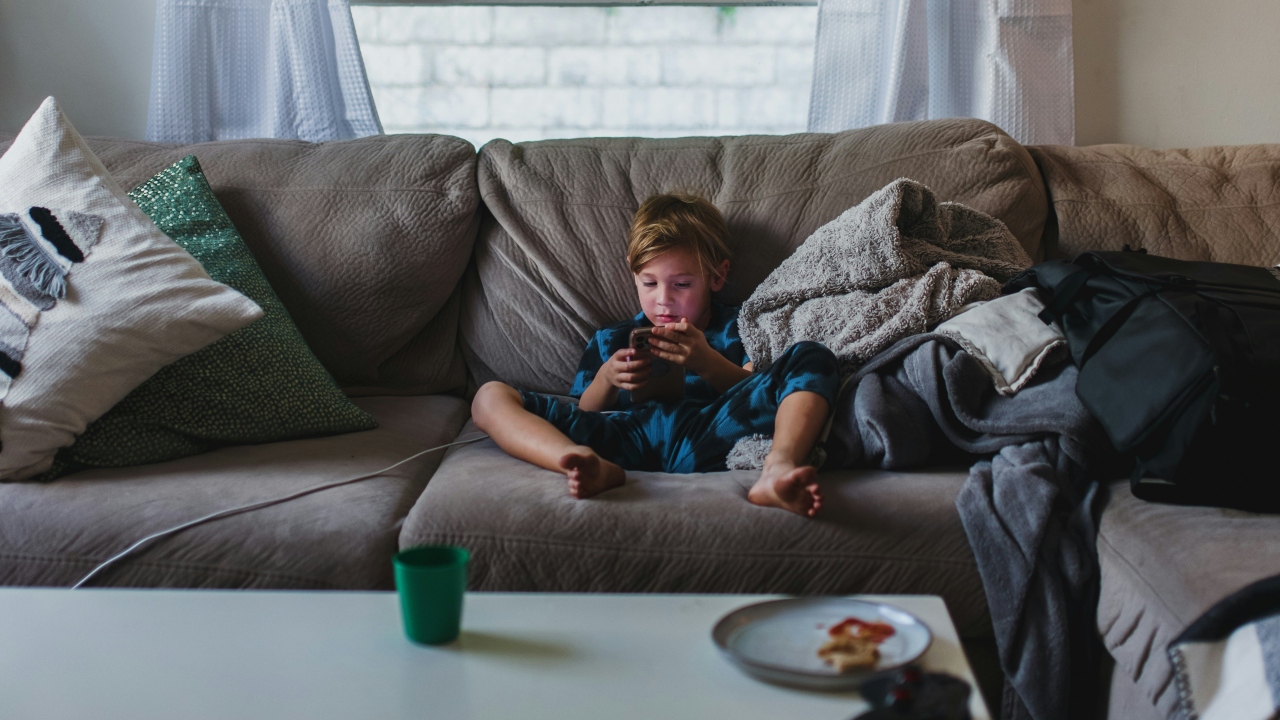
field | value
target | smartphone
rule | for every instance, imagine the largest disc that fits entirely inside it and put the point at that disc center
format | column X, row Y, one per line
column 666, row 379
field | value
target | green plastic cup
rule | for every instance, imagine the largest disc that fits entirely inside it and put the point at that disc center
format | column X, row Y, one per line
column 431, row 580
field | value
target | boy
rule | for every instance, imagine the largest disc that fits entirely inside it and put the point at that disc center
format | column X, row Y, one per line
column 678, row 254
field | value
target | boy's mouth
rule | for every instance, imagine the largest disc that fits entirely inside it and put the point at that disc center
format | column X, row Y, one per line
column 666, row 319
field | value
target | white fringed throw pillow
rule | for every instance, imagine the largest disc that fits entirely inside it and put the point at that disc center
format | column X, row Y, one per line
column 94, row 299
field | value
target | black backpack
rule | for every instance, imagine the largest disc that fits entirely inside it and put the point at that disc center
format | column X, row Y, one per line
column 1180, row 363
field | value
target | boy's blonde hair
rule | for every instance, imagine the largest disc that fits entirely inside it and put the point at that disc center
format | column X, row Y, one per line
column 678, row 220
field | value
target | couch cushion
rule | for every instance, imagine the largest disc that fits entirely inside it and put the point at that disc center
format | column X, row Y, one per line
column 1211, row 203
column 1164, row 565
column 363, row 240
column 55, row 533
column 879, row 531
column 549, row 263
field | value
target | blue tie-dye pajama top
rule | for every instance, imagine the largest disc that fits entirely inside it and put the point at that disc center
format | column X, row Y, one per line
column 696, row 434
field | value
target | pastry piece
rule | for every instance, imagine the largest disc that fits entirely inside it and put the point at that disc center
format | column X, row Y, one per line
column 849, row 652
column 854, row 644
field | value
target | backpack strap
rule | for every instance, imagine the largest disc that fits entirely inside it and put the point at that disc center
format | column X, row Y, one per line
column 1113, row 324
column 1063, row 294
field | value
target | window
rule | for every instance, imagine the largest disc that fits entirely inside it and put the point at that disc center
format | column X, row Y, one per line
column 536, row 72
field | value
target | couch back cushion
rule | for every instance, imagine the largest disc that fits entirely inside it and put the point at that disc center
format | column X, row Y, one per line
column 549, row 263
column 1214, row 203
column 363, row 240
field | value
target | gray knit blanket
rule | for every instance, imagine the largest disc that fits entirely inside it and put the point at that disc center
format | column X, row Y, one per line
column 894, row 265
column 1028, row 507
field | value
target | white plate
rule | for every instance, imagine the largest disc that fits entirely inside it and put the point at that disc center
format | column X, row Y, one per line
column 778, row 641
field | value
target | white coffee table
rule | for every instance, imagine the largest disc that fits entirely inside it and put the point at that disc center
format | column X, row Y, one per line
column 140, row 654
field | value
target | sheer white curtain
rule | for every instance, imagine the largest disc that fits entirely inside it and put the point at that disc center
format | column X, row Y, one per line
column 1007, row 61
column 230, row 69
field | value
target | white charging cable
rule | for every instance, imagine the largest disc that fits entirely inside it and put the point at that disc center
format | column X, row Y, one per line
column 258, row 505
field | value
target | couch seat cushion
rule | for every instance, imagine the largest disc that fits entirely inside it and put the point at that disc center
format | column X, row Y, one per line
column 879, row 532
column 55, row 533
column 1164, row 565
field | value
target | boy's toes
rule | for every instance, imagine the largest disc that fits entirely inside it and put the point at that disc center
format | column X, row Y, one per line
column 588, row 474
column 816, row 494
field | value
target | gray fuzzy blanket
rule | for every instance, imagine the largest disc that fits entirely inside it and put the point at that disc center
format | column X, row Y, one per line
column 894, row 265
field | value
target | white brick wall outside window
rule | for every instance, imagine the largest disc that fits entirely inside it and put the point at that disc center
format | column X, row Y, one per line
column 532, row 73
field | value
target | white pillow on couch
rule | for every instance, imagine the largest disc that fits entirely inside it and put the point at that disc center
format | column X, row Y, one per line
column 94, row 298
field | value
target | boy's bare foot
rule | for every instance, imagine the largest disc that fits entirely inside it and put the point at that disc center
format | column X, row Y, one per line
column 589, row 474
column 787, row 486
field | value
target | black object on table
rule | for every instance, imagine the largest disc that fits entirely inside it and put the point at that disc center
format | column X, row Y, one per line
column 912, row 694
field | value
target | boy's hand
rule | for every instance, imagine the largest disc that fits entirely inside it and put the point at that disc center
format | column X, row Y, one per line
column 627, row 369
column 683, row 344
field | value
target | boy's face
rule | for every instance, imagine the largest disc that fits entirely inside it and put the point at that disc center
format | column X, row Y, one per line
column 673, row 286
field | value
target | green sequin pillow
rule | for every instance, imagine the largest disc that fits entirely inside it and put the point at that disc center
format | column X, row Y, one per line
column 259, row 384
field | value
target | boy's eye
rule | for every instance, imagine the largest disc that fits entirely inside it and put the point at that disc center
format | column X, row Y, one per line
column 650, row 283
column 683, row 285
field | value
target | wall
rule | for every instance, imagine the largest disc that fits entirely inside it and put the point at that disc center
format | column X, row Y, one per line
column 1177, row 73
column 525, row 73
column 94, row 55
column 1165, row 73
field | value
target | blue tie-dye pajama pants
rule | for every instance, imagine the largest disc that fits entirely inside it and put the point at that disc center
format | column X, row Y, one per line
column 690, row 436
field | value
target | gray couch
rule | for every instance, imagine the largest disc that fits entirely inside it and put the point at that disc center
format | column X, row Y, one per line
column 1162, row 566
column 417, row 269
